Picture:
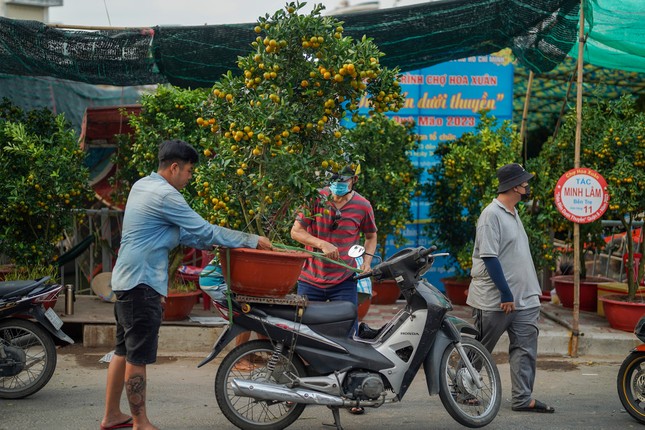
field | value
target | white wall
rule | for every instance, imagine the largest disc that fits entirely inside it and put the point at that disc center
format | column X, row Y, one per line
column 21, row 11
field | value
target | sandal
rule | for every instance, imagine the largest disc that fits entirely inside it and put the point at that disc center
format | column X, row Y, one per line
column 466, row 399
column 357, row 410
column 538, row 406
column 244, row 366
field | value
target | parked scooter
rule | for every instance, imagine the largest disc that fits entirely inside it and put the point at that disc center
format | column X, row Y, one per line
column 631, row 377
column 310, row 358
column 27, row 349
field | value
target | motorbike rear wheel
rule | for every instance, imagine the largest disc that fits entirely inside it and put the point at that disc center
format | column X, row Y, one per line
column 249, row 361
column 468, row 405
column 34, row 363
column 631, row 385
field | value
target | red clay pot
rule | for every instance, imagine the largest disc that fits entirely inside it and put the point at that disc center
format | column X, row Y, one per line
column 261, row 273
column 364, row 306
column 385, row 292
column 588, row 291
column 179, row 305
column 456, row 289
column 621, row 314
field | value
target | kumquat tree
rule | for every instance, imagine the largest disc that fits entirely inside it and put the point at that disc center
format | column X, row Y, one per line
column 613, row 144
column 275, row 127
column 43, row 179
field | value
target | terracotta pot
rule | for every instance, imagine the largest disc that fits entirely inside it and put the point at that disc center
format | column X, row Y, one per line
column 179, row 305
column 456, row 289
column 620, row 313
column 363, row 307
column 261, row 273
column 588, row 291
column 545, row 296
column 385, row 292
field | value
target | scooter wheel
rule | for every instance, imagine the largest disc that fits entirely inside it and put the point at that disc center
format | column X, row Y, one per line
column 258, row 361
column 39, row 358
column 631, row 385
column 468, row 404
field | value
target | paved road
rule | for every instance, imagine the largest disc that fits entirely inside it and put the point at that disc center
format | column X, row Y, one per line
column 181, row 397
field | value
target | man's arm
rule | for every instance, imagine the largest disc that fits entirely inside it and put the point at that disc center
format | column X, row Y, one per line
column 370, row 248
column 496, row 273
column 300, row 234
column 195, row 231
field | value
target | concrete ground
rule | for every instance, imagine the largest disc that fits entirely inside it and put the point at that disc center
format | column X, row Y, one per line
column 181, row 397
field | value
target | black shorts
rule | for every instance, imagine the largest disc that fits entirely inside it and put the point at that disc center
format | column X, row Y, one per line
column 138, row 318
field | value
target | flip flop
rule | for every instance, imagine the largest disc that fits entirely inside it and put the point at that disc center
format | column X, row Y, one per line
column 124, row 425
column 244, row 366
column 358, row 410
column 467, row 399
column 538, row 407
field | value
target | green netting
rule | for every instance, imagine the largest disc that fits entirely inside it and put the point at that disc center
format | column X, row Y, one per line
column 540, row 33
column 197, row 56
column 549, row 90
column 101, row 57
column 616, row 34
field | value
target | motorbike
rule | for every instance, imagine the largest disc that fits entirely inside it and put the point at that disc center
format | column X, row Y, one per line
column 27, row 349
column 311, row 357
column 631, row 377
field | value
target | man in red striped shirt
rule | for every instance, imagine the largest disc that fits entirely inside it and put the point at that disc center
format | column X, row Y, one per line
column 332, row 226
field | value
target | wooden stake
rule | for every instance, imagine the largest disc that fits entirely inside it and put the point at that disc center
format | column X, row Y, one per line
column 525, row 114
column 92, row 27
column 576, row 227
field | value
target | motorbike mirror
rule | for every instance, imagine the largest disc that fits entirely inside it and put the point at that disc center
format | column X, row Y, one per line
column 356, row 251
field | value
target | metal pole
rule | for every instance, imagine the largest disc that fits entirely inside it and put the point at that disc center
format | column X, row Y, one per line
column 575, row 332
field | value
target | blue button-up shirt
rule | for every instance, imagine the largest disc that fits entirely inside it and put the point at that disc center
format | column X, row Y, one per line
column 156, row 220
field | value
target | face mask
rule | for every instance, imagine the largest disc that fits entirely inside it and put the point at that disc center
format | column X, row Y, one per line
column 339, row 188
column 527, row 193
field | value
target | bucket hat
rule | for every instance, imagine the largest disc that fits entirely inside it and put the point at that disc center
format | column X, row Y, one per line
column 511, row 175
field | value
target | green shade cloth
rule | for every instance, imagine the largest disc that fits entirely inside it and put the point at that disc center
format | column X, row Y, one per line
column 616, row 34
column 539, row 32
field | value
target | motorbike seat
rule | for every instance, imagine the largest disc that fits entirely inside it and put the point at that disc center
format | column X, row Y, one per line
column 12, row 289
column 314, row 313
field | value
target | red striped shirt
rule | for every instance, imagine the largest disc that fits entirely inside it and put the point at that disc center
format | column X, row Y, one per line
column 356, row 217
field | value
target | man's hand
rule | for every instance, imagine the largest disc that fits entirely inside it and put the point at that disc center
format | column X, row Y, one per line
column 330, row 251
column 507, row 307
column 264, row 243
column 366, row 267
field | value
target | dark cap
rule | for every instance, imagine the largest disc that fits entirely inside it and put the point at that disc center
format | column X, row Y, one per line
column 511, row 175
column 347, row 172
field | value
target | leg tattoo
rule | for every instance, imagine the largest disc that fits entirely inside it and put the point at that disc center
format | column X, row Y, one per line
column 136, row 391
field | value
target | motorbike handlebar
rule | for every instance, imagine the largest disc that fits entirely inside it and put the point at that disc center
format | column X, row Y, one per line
column 416, row 258
column 360, row 276
column 428, row 251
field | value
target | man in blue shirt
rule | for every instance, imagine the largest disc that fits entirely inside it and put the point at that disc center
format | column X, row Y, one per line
column 156, row 220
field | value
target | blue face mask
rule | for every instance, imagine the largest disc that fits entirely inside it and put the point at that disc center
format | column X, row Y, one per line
column 339, row 188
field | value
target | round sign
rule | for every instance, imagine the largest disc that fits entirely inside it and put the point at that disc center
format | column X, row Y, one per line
column 581, row 195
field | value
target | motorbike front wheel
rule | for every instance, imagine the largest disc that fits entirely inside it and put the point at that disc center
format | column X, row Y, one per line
column 27, row 358
column 468, row 404
column 250, row 361
column 631, row 385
